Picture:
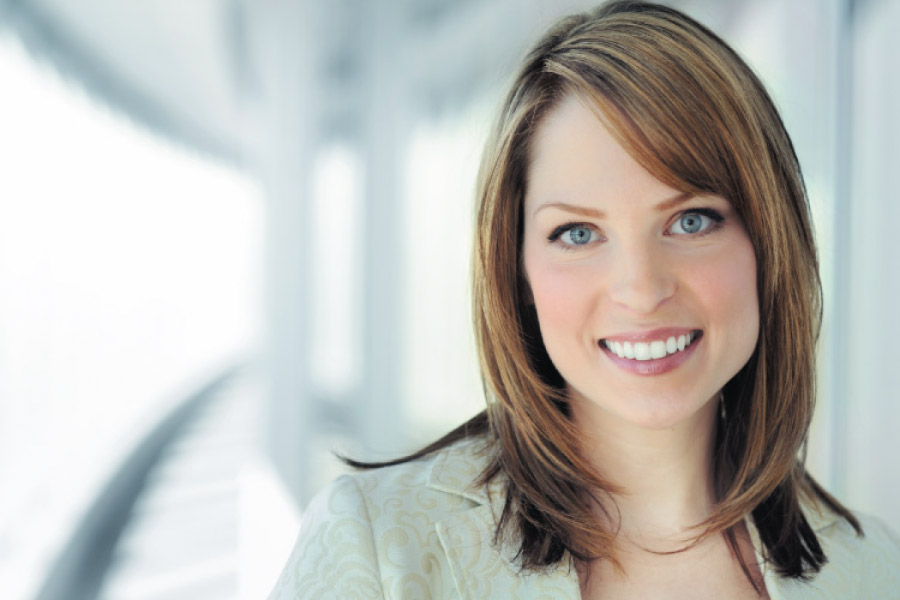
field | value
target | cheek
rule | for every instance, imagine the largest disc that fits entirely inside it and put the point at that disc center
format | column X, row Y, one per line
column 561, row 299
column 553, row 294
column 728, row 287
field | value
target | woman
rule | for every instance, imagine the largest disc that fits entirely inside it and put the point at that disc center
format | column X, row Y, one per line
column 647, row 303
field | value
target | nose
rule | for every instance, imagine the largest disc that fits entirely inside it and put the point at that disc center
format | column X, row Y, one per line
column 641, row 280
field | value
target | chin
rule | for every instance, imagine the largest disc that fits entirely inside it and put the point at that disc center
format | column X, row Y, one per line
column 675, row 414
column 657, row 413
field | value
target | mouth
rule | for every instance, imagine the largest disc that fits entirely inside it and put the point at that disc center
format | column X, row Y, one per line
column 652, row 349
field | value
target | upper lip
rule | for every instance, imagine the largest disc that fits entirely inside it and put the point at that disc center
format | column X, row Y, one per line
column 650, row 335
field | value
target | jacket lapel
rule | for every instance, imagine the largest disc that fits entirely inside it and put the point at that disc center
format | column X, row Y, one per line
column 481, row 568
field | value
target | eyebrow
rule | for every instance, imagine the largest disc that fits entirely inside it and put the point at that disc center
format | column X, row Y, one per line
column 587, row 211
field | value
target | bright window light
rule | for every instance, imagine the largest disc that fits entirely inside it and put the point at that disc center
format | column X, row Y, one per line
column 129, row 270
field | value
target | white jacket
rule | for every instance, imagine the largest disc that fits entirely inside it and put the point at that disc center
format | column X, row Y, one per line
column 422, row 530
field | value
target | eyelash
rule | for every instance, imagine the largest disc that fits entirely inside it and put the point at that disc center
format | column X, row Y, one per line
column 713, row 215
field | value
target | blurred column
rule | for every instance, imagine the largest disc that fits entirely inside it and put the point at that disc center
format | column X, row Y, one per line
column 873, row 411
column 835, row 255
column 283, row 37
column 387, row 120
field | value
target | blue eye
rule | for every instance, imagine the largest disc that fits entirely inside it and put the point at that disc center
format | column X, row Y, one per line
column 695, row 221
column 577, row 236
column 572, row 235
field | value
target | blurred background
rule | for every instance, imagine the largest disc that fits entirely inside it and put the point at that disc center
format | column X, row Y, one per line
column 234, row 237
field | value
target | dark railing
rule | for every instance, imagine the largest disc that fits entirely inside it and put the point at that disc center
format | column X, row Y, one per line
column 79, row 569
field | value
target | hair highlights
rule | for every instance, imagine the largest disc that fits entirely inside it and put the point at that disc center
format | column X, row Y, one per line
column 692, row 113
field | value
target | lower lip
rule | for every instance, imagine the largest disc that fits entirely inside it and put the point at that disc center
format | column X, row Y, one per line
column 656, row 366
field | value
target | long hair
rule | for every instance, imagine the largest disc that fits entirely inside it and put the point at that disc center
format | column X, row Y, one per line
column 687, row 108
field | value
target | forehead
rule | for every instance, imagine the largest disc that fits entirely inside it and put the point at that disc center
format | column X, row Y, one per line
column 574, row 156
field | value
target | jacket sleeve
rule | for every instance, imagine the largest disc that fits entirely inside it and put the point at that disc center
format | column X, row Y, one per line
column 334, row 556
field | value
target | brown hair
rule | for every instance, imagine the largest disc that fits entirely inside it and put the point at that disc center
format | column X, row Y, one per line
column 693, row 114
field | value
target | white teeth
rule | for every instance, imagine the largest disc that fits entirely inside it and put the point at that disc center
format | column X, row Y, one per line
column 671, row 345
column 650, row 350
column 642, row 351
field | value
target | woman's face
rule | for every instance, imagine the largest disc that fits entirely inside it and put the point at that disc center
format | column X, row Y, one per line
column 646, row 297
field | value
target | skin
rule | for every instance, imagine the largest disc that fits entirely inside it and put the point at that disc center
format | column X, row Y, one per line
column 649, row 262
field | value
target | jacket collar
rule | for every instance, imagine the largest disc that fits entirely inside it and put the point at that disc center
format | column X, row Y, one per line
column 456, row 471
column 480, row 567
column 818, row 516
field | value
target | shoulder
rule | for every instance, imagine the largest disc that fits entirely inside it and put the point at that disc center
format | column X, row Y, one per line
column 334, row 555
column 376, row 529
column 872, row 557
column 859, row 566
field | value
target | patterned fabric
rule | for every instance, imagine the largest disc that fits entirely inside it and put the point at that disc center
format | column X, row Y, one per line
column 424, row 530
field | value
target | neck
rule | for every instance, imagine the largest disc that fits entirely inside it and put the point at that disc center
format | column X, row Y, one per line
column 665, row 475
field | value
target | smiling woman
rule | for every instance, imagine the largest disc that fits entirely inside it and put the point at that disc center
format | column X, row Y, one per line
column 647, row 303
column 650, row 266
